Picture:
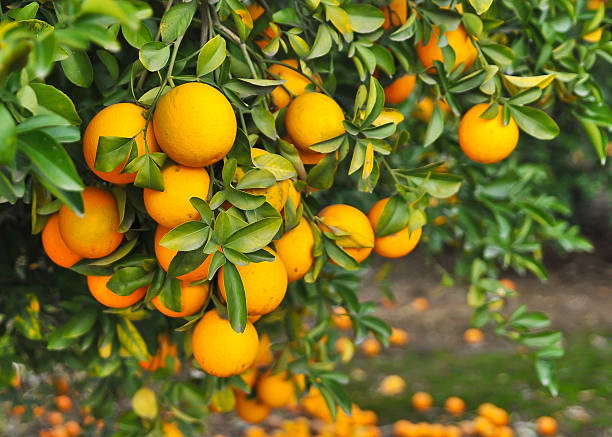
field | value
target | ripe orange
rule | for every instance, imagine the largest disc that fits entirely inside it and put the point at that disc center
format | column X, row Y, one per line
column 276, row 390
column 165, row 256
column 396, row 13
column 18, row 410
column 484, row 427
column 343, row 219
column 119, row 120
column 398, row 337
column 294, row 195
column 251, row 410
column 295, row 82
column 171, row 207
column 497, row 416
column 453, row 431
column 255, row 10
column 95, row 234
column 73, row 428
column 38, row 411
column 403, row 428
column 475, row 135
column 277, row 194
column 310, row 157
column 420, row 304
column 312, row 118
column 192, row 299
column 454, row 405
column 392, row 385
column 341, row 319
column 221, row 351
column 458, row 40
column 504, row 431
column 508, row 283
column 100, row 292
column 424, row 108
column 422, row 401
column 370, row 347
column 395, row 245
column 55, row 418
column 294, row 248
column 59, row 431
column 546, row 425
column 264, row 355
column 265, row 284
column 400, row 89
column 473, row 336
column 54, row 245
column 63, row 403
column 255, row 431
column 171, row 429
column 195, row 124
column 314, row 404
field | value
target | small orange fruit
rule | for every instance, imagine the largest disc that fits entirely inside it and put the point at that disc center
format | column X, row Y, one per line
column 265, row 284
column 276, row 390
column 172, row 207
column 125, row 120
column 256, row 10
column 310, row 157
column 504, row 431
column 38, row 411
column 59, row 431
column 73, row 428
column 251, row 410
column 392, row 385
column 54, row 245
column 165, row 256
column 264, row 355
column 420, row 304
column 221, row 351
column 249, row 376
column 370, row 347
column 454, row 406
column 424, row 108
column 508, row 283
column 403, row 428
column 55, row 418
column 394, row 245
column 546, row 425
column 295, row 249
column 18, row 410
column 497, row 416
column 63, row 403
column 475, row 135
column 453, row 431
column 353, row 228
column 400, row 89
column 171, row 429
column 195, row 125
column 100, row 292
column 422, row 401
column 295, row 82
column 484, row 427
column 192, row 300
column 398, row 337
column 341, row 319
column 396, row 13
column 95, row 234
column 473, row 336
column 458, row 40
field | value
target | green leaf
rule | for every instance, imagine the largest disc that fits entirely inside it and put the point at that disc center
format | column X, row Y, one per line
column 149, row 175
column 279, row 166
column 339, row 256
column 25, row 13
column 137, row 37
column 481, row 6
column 530, row 321
column 287, row 16
column 254, row 236
column 472, row 23
column 384, row 59
column 375, row 101
column 528, row 96
column 265, row 122
column 435, row 126
column 321, row 176
column 176, row 20
column 154, row 55
column 186, row 262
column 236, row 299
column 541, row 339
column 256, row 178
column 243, row 200
column 50, row 159
column 438, row 184
column 77, row 68
column 170, row 294
column 211, row 56
column 598, row 138
column 56, row 102
column 394, row 217
column 322, row 44
column 535, row 122
column 364, row 18
column 112, row 152
column 8, row 136
column 498, row 53
column 79, row 324
column 131, row 340
column 329, row 146
column 186, row 236
column 126, row 280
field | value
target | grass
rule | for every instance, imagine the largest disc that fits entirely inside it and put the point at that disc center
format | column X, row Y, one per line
column 502, row 377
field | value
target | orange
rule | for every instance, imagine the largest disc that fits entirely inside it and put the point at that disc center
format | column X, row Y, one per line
column 249, row 376
column 476, row 134
column 396, row 13
column 398, row 337
column 294, row 195
column 255, row 10
column 119, row 120
column 192, row 300
column 221, row 351
column 473, row 336
column 276, row 390
column 88, row 420
column 403, row 428
column 295, row 82
column 458, row 40
column 357, row 236
column 59, row 431
column 453, row 431
column 420, row 304
column 18, row 410
column 400, row 89
column 424, row 108
column 55, row 418
column 165, row 256
column 310, row 157
column 314, row 404
column 454, row 405
column 497, row 416
column 392, row 385
column 341, row 319
column 255, row 431
column 264, row 355
column 593, row 5
column 195, row 124
column 171, row 429
column 54, row 245
column 95, row 234
column 63, row 403
column 265, row 284
column 484, row 409
column 508, row 283
column 370, row 347
column 504, row 431
column 73, row 428
column 251, row 410
column 294, row 248
column 171, row 207
column 312, row 118
column 546, row 425
column 100, row 292
column 484, row 427
column 422, row 401
column 38, row 411
column 61, row 385
column 395, row 245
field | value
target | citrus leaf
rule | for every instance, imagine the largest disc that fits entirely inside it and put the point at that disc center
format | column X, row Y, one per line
column 254, row 236
column 535, row 122
column 211, row 56
column 186, row 236
column 131, row 340
column 236, row 299
column 154, row 55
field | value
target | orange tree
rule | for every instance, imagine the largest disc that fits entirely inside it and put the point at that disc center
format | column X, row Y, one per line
column 209, row 177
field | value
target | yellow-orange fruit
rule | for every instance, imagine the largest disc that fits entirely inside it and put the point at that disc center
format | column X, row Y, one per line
column 400, row 89
column 370, row 347
column 124, row 120
column 486, row 141
column 95, row 234
column 221, row 351
column 396, row 13
column 454, row 405
column 264, row 355
column 295, row 249
column 276, row 390
column 100, row 292
column 165, row 256
column 473, row 336
column 546, row 425
column 422, row 401
column 195, row 124
column 295, row 82
column 458, row 40
column 349, row 220
column 172, row 207
column 251, row 410
column 192, row 299
column 424, row 108
column 54, row 245
column 394, row 245
column 398, row 337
